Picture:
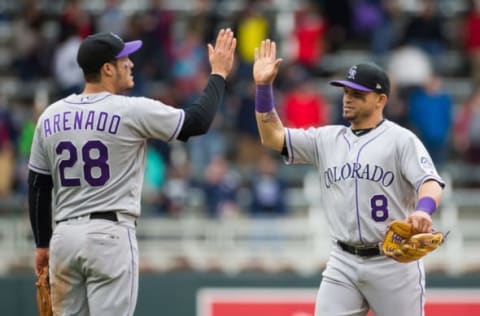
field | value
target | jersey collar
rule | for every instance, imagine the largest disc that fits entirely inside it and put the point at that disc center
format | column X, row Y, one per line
column 362, row 131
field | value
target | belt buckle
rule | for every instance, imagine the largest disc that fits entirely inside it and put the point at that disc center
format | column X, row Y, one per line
column 359, row 248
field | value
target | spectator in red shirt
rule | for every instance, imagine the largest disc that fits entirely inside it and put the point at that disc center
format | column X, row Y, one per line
column 309, row 35
column 304, row 106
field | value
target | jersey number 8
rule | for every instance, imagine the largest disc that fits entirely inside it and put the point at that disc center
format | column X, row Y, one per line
column 379, row 207
column 91, row 162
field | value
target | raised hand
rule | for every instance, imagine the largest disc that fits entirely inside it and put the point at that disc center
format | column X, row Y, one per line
column 266, row 64
column 222, row 55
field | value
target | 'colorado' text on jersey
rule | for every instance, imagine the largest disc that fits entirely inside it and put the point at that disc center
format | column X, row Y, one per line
column 357, row 171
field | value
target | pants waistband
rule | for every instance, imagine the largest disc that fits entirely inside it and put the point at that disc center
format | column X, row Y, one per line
column 110, row 216
column 360, row 250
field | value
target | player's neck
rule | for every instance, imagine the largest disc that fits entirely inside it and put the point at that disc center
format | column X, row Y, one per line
column 363, row 131
column 92, row 88
column 367, row 124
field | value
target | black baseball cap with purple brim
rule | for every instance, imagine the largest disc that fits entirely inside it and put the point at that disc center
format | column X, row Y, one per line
column 367, row 77
column 100, row 48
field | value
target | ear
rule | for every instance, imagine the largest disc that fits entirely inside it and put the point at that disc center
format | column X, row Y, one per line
column 382, row 100
column 108, row 69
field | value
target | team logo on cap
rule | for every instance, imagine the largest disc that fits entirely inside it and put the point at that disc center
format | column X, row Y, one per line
column 116, row 36
column 352, row 72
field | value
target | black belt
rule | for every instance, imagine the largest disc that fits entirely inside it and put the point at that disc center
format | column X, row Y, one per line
column 360, row 250
column 111, row 216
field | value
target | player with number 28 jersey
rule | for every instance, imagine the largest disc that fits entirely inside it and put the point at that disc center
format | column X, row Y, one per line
column 96, row 143
column 89, row 151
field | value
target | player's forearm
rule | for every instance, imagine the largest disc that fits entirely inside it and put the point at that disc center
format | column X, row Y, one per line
column 269, row 124
column 39, row 206
column 272, row 132
column 200, row 115
column 430, row 189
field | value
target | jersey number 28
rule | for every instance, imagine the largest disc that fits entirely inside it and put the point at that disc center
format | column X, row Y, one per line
column 94, row 155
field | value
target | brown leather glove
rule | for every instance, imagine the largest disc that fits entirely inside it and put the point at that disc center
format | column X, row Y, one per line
column 402, row 245
column 44, row 301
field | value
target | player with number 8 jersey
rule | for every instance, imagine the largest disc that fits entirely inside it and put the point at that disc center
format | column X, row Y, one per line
column 90, row 149
column 371, row 173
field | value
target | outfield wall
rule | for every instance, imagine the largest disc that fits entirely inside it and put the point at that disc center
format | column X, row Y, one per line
column 175, row 294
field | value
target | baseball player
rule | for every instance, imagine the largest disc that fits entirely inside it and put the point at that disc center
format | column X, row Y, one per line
column 371, row 172
column 90, row 148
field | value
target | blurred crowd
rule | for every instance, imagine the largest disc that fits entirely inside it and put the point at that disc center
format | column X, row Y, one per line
column 423, row 44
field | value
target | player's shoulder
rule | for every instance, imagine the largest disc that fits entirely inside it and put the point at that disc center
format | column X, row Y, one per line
column 400, row 135
column 121, row 103
column 136, row 100
column 332, row 129
column 53, row 107
column 398, row 129
column 326, row 131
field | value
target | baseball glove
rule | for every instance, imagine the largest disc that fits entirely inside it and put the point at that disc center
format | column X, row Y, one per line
column 402, row 245
column 44, row 302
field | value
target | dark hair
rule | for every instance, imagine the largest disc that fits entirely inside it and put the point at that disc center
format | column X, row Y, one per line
column 95, row 76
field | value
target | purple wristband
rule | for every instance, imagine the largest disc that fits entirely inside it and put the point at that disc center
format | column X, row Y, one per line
column 264, row 99
column 426, row 204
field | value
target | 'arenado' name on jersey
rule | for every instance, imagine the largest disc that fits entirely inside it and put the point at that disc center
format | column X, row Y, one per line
column 81, row 120
column 358, row 171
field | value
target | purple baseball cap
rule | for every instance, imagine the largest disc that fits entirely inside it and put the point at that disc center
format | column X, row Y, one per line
column 367, row 77
column 100, row 48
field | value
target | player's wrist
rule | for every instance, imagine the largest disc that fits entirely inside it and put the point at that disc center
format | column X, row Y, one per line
column 264, row 98
column 219, row 73
column 426, row 204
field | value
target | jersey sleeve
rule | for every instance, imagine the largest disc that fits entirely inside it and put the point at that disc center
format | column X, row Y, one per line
column 154, row 119
column 417, row 165
column 301, row 145
column 38, row 161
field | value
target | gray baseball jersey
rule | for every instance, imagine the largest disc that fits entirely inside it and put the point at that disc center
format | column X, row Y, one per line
column 366, row 181
column 94, row 148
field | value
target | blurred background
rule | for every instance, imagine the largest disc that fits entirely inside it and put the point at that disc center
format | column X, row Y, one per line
column 220, row 211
